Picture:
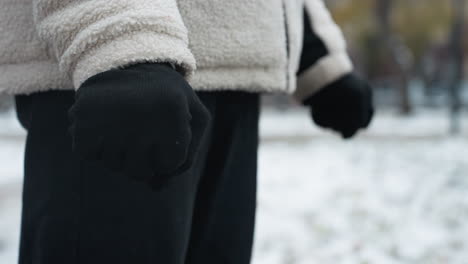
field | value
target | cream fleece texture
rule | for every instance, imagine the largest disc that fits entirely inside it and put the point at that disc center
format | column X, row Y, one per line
column 217, row 44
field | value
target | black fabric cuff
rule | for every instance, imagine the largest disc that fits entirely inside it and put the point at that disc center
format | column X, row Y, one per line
column 313, row 47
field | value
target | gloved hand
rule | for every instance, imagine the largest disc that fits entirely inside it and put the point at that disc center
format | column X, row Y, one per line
column 344, row 106
column 144, row 121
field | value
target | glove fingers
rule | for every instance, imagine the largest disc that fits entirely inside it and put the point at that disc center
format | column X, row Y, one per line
column 348, row 128
column 113, row 155
column 172, row 160
column 176, row 169
column 200, row 120
column 161, row 178
column 348, row 133
column 320, row 120
column 164, row 167
column 368, row 119
column 349, row 125
column 158, row 180
column 170, row 152
column 199, row 123
column 88, row 147
column 369, row 106
column 136, row 163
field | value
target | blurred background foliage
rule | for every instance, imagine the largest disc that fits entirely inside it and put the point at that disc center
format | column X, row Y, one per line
column 413, row 51
column 422, row 25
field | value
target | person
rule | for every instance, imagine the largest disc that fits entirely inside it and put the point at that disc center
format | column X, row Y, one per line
column 142, row 119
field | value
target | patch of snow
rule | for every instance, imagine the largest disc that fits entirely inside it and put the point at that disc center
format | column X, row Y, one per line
column 364, row 201
column 425, row 122
column 9, row 125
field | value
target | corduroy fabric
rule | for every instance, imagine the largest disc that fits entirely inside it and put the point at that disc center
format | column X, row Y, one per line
column 80, row 213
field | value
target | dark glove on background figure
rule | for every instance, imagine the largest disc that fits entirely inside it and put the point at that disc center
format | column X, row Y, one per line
column 144, row 121
column 344, row 106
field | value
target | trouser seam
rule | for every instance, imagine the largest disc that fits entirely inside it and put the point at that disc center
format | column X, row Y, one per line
column 78, row 213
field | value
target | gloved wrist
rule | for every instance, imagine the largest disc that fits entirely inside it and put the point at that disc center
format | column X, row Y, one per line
column 349, row 80
column 344, row 106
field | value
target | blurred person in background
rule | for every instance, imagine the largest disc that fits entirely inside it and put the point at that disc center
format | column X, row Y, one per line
column 141, row 145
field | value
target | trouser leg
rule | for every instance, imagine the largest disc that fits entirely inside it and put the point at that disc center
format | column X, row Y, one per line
column 77, row 212
column 50, row 198
column 223, row 225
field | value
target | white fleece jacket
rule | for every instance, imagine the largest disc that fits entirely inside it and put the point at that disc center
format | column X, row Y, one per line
column 217, row 44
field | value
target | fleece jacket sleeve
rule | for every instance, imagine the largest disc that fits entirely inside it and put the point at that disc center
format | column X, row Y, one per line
column 92, row 36
column 324, row 57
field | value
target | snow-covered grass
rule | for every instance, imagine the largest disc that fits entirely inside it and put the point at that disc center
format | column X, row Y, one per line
column 11, row 170
column 397, row 194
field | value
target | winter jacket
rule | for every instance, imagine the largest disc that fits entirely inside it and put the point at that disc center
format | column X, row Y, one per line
column 217, row 44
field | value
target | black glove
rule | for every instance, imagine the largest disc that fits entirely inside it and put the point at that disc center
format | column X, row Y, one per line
column 144, row 121
column 344, row 106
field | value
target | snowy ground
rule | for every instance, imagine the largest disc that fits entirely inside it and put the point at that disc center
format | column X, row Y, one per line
column 397, row 194
column 11, row 154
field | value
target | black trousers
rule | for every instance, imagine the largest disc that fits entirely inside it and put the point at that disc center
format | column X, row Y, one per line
column 75, row 212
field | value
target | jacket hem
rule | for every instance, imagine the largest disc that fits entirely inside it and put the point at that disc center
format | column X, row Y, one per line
column 132, row 49
column 256, row 80
column 44, row 76
column 31, row 77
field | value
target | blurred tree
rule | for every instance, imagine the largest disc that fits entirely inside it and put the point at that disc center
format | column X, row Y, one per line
column 396, row 41
column 457, row 63
column 381, row 53
column 420, row 25
column 398, row 54
column 6, row 102
column 426, row 30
